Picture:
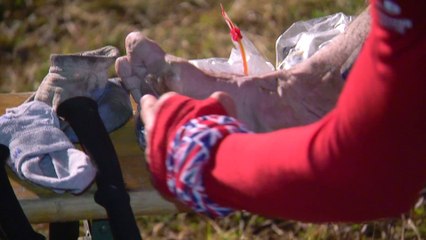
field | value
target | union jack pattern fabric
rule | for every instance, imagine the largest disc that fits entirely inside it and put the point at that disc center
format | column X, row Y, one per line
column 187, row 155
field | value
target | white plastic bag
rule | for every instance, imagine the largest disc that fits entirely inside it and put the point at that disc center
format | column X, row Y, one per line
column 257, row 64
column 296, row 44
column 304, row 38
column 245, row 59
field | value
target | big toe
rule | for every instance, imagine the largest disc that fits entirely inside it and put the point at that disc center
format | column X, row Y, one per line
column 123, row 67
column 143, row 52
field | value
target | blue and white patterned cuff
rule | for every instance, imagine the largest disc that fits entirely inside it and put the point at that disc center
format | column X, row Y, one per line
column 187, row 155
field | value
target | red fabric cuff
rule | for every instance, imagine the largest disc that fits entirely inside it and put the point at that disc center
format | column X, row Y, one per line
column 175, row 112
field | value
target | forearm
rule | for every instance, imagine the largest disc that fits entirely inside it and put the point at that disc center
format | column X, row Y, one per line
column 364, row 160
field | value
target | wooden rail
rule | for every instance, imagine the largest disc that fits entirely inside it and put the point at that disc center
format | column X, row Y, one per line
column 42, row 205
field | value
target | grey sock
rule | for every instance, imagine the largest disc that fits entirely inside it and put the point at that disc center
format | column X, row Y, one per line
column 40, row 152
column 78, row 74
column 114, row 108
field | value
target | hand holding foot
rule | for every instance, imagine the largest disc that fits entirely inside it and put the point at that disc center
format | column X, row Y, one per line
column 264, row 103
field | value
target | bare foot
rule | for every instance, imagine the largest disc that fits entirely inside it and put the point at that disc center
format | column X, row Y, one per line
column 148, row 69
column 267, row 102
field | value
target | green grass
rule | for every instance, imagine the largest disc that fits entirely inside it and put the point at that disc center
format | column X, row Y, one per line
column 31, row 30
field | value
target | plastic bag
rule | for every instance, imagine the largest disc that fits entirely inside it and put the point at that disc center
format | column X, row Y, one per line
column 244, row 59
column 302, row 39
column 296, row 44
column 257, row 64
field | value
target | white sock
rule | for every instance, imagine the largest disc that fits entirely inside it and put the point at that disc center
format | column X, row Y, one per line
column 40, row 152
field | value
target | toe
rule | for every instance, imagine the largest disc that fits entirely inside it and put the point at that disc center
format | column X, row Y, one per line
column 143, row 52
column 122, row 67
column 130, row 81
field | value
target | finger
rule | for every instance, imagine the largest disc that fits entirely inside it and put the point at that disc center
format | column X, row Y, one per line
column 227, row 102
column 147, row 114
column 148, row 109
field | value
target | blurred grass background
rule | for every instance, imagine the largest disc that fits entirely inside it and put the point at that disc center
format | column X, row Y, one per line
column 30, row 30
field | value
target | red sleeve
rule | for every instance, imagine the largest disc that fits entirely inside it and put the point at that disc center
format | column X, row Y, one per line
column 366, row 159
column 175, row 112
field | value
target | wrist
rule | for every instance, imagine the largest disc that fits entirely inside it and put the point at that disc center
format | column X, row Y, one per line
column 175, row 112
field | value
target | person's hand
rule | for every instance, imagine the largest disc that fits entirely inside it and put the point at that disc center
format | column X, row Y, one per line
column 150, row 105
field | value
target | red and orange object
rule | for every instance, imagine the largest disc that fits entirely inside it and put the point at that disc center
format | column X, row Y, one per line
column 237, row 37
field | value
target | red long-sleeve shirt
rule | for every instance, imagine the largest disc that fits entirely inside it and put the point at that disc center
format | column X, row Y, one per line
column 364, row 160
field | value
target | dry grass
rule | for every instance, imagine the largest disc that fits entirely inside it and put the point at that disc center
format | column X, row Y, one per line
column 248, row 226
column 30, row 30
